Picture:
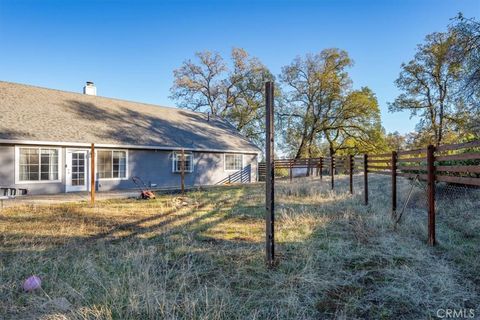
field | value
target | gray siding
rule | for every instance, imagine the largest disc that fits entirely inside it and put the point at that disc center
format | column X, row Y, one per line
column 7, row 174
column 155, row 167
column 152, row 166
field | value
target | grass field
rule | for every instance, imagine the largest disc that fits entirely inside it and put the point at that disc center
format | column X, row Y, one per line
column 202, row 256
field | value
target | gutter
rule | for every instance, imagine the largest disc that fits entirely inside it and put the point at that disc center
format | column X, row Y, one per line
column 121, row 146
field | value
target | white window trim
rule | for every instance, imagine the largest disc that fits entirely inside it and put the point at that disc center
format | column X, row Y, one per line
column 17, row 165
column 87, row 165
column 111, row 179
column 225, row 162
column 174, row 157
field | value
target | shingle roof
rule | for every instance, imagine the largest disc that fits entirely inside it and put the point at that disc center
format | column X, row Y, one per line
column 39, row 114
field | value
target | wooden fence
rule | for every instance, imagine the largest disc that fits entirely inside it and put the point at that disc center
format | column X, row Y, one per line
column 453, row 164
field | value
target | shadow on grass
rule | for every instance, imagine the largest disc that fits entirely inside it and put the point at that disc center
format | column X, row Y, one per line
column 196, row 249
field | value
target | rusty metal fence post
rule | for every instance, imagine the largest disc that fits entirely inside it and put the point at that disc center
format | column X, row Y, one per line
column 332, row 171
column 290, row 165
column 350, row 166
column 321, row 167
column 394, row 182
column 307, row 174
column 182, row 172
column 270, row 176
column 365, row 177
column 431, row 194
column 92, row 174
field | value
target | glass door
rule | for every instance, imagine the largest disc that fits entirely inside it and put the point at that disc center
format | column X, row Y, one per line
column 76, row 177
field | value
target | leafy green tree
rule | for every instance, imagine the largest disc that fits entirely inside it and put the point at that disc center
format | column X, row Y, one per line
column 467, row 53
column 321, row 108
column 396, row 141
column 314, row 84
column 441, row 84
column 354, row 124
column 428, row 83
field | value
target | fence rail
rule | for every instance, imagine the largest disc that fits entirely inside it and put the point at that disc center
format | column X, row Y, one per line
column 453, row 164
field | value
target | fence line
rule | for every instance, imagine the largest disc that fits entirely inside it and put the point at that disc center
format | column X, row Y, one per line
column 452, row 163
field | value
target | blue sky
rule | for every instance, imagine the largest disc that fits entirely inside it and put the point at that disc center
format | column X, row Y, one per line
column 130, row 48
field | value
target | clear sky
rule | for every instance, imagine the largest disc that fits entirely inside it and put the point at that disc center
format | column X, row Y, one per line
column 130, row 48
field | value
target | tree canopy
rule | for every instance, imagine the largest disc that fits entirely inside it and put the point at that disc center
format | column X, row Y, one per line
column 321, row 107
column 319, row 111
column 441, row 84
column 232, row 91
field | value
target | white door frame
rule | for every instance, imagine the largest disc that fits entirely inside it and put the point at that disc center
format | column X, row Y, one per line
column 68, row 171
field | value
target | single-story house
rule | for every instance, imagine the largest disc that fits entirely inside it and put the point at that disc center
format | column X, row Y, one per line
column 46, row 137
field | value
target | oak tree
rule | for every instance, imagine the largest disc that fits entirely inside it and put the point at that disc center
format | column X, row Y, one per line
column 232, row 91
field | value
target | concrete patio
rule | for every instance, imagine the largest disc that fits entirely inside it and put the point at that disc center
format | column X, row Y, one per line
column 105, row 195
column 66, row 197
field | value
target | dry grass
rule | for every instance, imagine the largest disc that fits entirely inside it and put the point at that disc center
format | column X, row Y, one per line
column 201, row 257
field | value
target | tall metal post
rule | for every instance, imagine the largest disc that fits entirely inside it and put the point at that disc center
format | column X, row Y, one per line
column 350, row 166
column 431, row 194
column 394, row 182
column 92, row 174
column 270, row 176
column 365, row 177
column 290, row 173
column 332, row 169
column 182, row 172
column 308, row 168
column 321, row 167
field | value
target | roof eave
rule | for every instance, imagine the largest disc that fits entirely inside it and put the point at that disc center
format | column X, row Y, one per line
column 254, row 150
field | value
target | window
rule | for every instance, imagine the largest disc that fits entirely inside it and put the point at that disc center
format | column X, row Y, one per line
column 177, row 162
column 38, row 164
column 111, row 164
column 233, row 162
column 78, row 168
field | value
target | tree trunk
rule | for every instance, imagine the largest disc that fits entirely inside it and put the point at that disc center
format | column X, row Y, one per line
column 440, row 126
